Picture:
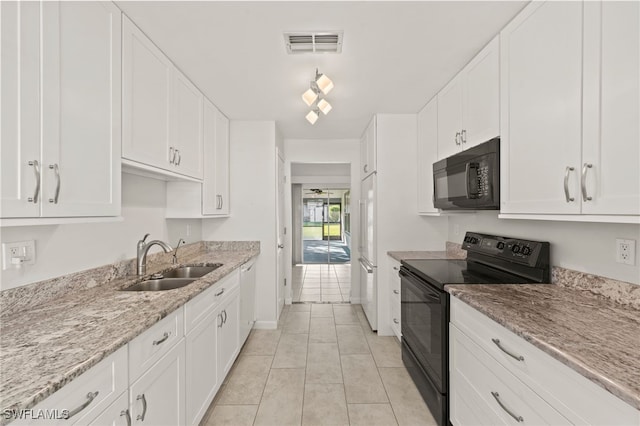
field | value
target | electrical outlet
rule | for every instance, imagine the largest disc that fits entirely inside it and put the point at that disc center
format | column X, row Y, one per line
column 14, row 255
column 626, row 251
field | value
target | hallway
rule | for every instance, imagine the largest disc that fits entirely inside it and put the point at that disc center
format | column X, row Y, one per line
column 322, row 366
column 321, row 283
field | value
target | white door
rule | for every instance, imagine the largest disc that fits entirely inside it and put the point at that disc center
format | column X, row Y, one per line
column 20, row 193
column 481, row 102
column 611, row 138
column 201, row 367
column 427, row 155
column 186, row 129
column 541, row 104
column 146, row 78
column 81, row 109
column 158, row 396
column 450, row 118
column 280, row 232
column 223, row 201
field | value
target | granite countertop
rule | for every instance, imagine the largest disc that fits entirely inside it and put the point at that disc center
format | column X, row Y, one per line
column 595, row 336
column 453, row 251
column 49, row 343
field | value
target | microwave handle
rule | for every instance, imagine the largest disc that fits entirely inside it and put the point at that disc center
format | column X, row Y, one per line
column 467, row 174
column 466, row 179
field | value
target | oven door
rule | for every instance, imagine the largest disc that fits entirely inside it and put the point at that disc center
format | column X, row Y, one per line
column 425, row 322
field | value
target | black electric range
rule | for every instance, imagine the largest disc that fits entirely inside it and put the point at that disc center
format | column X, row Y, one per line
column 425, row 304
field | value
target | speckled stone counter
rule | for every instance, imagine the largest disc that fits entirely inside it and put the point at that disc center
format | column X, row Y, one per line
column 51, row 332
column 595, row 335
column 453, row 251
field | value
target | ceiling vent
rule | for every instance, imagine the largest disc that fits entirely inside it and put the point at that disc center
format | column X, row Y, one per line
column 313, row 42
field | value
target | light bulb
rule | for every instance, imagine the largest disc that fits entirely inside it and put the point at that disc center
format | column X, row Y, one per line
column 309, row 97
column 324, row 106
column 324, row 84
column 312, row 117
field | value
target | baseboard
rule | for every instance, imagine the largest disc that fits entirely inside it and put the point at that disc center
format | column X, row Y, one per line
column 355, row 300
column 288, row 301
column 265, row 325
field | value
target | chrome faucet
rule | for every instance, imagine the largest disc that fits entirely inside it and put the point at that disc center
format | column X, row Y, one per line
column 143, row 248
column 175, row 251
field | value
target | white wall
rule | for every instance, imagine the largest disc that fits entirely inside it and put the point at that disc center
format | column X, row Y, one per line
column 399, row 225
column 63, row 249
column 346, row 151
column 586, row 247
column 253, row 205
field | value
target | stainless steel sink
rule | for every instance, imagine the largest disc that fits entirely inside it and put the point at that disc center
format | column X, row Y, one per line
column 161, row 284
column 191, row 271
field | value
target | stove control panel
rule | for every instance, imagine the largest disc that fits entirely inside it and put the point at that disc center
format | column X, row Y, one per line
column 517, row 250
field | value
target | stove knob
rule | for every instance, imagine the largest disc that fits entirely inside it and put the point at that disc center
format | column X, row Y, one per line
column 467, row 239
column 474, row 240
column 515, row 248
column 526, row 251
column 500, row 245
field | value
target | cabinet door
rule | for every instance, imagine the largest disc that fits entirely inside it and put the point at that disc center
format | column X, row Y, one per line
column 20, row 194
column 450, row 118
column 611, row 141
column 372, row 143
column 116, row 414
column 481, row 98
column 158, row 396
column 201, row 368
column 210, row 201
column 541, row 102
column 427, row 155
column 228, row 333
column 247, row 299
column 394, row 297
column 364, row 167
column 186, row 129
column 81, row 69
column 146, row 79
column 222, row 164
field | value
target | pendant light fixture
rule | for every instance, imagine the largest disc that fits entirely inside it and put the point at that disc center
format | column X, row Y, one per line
column 321, row 85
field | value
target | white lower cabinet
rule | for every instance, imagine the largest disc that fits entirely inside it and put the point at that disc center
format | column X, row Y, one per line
column 117, row 414
column 496, row 377
column 228, row 332
column 158, row 396
column 394, row 289
column 247, row 299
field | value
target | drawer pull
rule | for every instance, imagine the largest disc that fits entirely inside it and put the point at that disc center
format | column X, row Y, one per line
column 395, row 320
column 127, row 416
column 90, row 397
column 144, row 407
column 395, row 268
column 165, row 336
column 396, row 292
column 497, row 342
column 220, row 293
column 496, row 395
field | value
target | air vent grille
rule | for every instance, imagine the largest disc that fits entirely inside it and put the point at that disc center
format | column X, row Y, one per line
column 313, row 42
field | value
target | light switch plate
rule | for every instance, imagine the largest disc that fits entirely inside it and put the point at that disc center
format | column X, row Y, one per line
column 25, row 251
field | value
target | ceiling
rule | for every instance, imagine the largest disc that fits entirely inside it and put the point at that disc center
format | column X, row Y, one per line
column 395, row 56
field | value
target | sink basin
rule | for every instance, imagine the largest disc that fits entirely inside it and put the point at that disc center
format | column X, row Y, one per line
column 191, row 271
column 161, row 284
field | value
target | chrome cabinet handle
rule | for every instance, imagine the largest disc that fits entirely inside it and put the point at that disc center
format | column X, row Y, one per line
column 463, row 136
column 457, row 138
column 56, row 170
column 396, row 292
column 172, row 155
column 90, row 397
column 165, row 336
column 396, row 321
column 498, row 344
column 567, row 196
column 144, row 407
column 179, row 157
column 585, row 168
column 36, row 170
column 220, row 293
column 496, row 395
column 221, row 322
column 127, row 416
column 225, row 316
column 218, row 201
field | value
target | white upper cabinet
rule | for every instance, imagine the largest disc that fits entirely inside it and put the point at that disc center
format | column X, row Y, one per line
column 221, row 186
column 611, row 125
column 186, row 129
column 20, row 130
column 570, row 107
column 65, row 163
column 147, row 75
column 368, row 150
column 427, row 155
column 469, row 106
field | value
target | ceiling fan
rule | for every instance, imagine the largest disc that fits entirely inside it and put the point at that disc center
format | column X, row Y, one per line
column 315, row 191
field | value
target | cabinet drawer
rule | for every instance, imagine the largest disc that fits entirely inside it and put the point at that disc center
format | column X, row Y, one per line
column 395, row 318
column 147, row 348
column 576, row 397
column 94, row 390
column 482, row 377
column 199, row 307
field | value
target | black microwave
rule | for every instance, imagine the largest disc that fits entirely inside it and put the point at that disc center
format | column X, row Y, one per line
column 469, row 180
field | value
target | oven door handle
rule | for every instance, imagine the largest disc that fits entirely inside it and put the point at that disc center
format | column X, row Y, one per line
column 426, row 291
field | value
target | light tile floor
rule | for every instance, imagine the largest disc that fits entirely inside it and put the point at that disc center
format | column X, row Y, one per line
column 321, row 283
column 322, row 366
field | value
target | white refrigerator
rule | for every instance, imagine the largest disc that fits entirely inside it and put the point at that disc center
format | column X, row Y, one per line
column 368, row 263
